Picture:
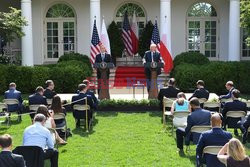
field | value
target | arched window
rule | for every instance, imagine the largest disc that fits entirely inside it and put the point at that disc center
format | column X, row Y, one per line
column 131, row 8
column 202, row 30
column 60, row 30
column 60, row 10
column 202, row 10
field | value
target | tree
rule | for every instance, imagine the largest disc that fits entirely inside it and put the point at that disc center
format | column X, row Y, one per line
column 145, row 38
column 245, row 17
column 11, row 24
column 116, row 43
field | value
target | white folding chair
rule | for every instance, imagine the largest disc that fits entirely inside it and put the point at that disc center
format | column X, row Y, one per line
column 83, row 108
column 33, row 109
column 12, row 102
column 235, row 114
column 4, row 114
column 61, row 116
column 213, row 150
column 166, row 103
column 179, row 114
column 226, row 100
column 212, row 105
column 49, row 101
column 202, row 100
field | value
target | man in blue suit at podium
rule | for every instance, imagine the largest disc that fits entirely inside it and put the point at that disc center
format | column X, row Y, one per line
column 151, row 56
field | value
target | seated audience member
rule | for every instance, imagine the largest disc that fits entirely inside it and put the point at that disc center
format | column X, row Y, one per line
column 56, row 107
column 49, row 92
column 91, row 93
column 38, row 135
column 233, row 154
column 200, row 92
column 235, row 105
column 198, row 116
column 7, row 158
column 169, row 92
column 230, row 87
column 181, row 104
column 214, row 137
column 50, row 123
column 80, row 99
column 37, row 98
column 12, row 93
column 244, row 125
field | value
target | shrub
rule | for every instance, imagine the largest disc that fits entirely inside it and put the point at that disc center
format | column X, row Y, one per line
column 191, row 58
column 215, row 75
column 75, row 56
column 3, row 82
column 39, row 75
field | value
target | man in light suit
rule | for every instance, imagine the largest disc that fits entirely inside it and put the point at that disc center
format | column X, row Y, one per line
column 214, row 137
column 7, row 158
column 198, row 116
column 151, row 56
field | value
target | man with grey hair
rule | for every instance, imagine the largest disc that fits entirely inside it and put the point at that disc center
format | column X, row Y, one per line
column 151, row 56
column 38, row 135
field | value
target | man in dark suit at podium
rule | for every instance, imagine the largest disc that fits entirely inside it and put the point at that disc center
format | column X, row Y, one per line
column 103, row 57
column 151, row 56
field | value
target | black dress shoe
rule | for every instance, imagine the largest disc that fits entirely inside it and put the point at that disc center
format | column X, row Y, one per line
column 236, row 132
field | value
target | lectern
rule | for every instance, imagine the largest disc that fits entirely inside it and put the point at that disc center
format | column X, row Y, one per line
column 103, row 82
column 153, row 86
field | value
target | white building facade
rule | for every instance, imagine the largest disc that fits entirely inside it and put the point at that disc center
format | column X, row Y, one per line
column 211, row 27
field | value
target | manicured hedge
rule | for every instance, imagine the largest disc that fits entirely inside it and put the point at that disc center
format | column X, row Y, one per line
column 191, row 58
column 215, row 75
column 66, row 75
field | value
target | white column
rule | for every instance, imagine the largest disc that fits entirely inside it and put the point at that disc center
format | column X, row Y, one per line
column 234, row 31
column 95, row 11
column 27, row 39
column 165, row 15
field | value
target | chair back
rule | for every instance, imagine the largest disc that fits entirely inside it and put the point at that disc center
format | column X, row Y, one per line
column 200, row 129
column 80, row 107
column 33, row 155
column 58, row 116
column 226, row 100
column 181, row 114
column 248, row 105
column 34, row 107
column 211, row 105
column 167, row 102
column 202, row 100
column 10, row 101
column 2, row 106
column 236, row 114
column 213, row 150
column 49, row 101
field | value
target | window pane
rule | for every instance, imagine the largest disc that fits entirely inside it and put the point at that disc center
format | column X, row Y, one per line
column 60, row 10
column 202, row 9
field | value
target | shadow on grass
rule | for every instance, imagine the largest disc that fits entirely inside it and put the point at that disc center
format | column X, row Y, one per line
column 82, row 132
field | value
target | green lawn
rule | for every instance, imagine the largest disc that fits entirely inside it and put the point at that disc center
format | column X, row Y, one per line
column 118, row 139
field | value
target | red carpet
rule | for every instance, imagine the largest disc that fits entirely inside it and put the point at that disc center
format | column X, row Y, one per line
column 127, row 76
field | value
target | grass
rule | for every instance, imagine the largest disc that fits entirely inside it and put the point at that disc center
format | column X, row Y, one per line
column 118, row 139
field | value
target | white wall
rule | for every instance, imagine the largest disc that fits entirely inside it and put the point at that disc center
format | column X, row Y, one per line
column 108, row 9
column 179, row 27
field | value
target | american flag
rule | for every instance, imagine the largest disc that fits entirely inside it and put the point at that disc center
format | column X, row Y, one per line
column 95, row 44
column 126, row 35
column 156, row 36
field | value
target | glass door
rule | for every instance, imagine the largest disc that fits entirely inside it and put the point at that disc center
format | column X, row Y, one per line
column 52, row 40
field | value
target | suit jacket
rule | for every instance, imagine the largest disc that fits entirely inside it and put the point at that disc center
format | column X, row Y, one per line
column 197, row 117
column 246, row 123
column 8, row 159
column 107, row 59
column 227, row 96
column 91, row 93
column 236, row 105
column 37, row 99
column 214, row 137
column 14, row 94
column 169, row 92
column 200, row 93
column 148, row 59
column 49, row 94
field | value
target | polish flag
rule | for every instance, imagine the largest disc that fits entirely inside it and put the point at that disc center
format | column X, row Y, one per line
column 105, row 37
column 134, row 34
column 166, row 55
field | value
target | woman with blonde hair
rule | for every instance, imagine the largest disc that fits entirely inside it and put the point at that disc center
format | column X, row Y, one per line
column 180, row 104
column 233, row 154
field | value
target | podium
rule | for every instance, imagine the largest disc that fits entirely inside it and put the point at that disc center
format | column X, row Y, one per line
column 103, row 82
column 153, row 87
